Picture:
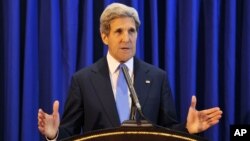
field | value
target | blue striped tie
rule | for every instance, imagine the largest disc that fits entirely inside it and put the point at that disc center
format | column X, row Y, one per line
column 122, row 102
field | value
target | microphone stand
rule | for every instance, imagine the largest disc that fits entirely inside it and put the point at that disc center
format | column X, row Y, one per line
column 135, row 104
column 133, row 112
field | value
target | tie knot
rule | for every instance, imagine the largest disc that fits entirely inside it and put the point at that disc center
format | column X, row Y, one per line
column 121, row 66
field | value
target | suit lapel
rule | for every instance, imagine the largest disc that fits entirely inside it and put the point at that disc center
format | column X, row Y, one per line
column 142, row 81
column 103, row 88
column 102, row 84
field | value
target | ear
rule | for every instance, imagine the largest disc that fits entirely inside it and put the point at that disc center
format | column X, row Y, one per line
column 104, row 38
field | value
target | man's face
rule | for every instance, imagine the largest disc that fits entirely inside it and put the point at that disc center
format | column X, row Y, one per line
column 121, row 40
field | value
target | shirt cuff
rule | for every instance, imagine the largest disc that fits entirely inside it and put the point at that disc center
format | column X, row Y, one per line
column 54, row 138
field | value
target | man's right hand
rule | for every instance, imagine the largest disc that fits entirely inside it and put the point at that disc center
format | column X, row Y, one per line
column 48, row 124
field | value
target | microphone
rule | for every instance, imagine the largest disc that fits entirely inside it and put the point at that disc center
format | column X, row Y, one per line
column 134, row 96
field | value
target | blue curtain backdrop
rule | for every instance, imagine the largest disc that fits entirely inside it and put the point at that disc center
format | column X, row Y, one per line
column 204, row 45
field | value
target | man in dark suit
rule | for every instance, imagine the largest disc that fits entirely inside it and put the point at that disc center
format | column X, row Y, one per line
column 92, row 100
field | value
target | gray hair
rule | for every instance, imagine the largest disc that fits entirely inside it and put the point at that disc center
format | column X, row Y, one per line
column 117, row 10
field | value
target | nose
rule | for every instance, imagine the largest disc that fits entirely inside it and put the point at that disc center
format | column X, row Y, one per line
column 125, row 37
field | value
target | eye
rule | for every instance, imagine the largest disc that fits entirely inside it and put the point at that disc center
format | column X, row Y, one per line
column 119, row 31
column 132, row 30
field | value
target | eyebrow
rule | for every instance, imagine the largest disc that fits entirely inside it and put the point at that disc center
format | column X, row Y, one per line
column 121, row 29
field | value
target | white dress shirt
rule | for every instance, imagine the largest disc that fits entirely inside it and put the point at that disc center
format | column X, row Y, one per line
column 113, row 72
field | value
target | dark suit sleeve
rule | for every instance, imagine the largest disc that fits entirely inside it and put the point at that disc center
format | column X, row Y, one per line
column 72, row 118
column 167, row 112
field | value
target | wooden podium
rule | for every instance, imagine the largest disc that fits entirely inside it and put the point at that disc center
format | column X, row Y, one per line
column 136, row 131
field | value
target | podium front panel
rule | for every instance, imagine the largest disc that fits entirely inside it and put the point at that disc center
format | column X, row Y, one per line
column 135, row 134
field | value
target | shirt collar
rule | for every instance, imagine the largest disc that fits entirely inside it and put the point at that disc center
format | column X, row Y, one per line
column 113, row 64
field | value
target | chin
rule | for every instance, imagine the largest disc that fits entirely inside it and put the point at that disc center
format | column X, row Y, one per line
column 122, row 60
column 125, row 58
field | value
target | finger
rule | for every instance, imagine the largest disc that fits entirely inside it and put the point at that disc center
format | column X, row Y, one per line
column 39, row 119
column 215, row 117
column 41, row 113
column 211, row 110
column 210, row 114
column 193, row 102
column 41, row 129
column 55, row 107
column 40, row 116
column 41, row 122
column 213, row 122
column 215, row 113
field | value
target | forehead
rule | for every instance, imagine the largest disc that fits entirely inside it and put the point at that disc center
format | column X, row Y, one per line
column 122, row 22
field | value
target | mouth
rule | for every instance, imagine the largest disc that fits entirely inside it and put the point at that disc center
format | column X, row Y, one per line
column 125, row 48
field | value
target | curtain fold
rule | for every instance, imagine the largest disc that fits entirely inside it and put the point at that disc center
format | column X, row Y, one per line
column 29, row 77
column 170, row 43
column 186, row 53
column 12, row 68
column 227, row 63
column 2, row 72
column 212, row 13
column 69, row 33
column 154, row 32
column 204, row 46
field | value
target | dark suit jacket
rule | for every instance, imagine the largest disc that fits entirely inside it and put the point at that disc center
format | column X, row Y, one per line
column 91, row 105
